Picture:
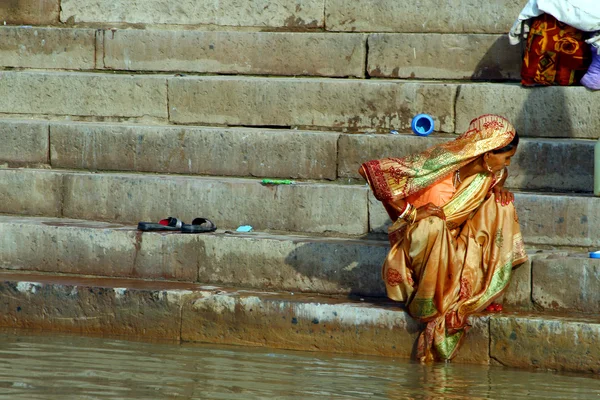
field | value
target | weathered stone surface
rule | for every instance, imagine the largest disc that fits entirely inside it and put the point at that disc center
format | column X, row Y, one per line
column 561, row 343
column 295, row 14
column 539, row 164
column 82, row 94
column 554, row 164
column 167, row 256
column 298, row 322
column 280, row 263
column 475, row 348
column 518, row 293
column 545, row 219
column 445, row 56
column 29, row 12
column 567, row 283
column 555, row 111
column 470, row 16
column 240, row 152
column 228, row 202
column 30, row 192
column 559, row 220
column 258, row 53
column 24, row 142
column 47, row 48
column 94, row 248
column 92, row 306
column 353, row 105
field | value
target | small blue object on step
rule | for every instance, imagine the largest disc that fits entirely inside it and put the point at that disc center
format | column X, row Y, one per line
column 595, row 254
column 422, row 125
column 244, row 228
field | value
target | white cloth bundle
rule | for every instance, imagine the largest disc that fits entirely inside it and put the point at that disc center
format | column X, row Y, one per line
column 581, row 14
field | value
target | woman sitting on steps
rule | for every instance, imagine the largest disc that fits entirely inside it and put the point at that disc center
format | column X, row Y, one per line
column 455, row 237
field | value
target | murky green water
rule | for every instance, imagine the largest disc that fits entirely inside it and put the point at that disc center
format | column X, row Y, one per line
column 71, row 367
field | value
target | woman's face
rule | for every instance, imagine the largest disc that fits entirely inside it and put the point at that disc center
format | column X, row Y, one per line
column 497, row 162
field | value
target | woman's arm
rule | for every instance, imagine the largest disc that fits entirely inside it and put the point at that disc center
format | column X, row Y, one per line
column 503, row 196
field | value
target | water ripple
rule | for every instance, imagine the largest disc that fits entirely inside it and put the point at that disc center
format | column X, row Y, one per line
column 68, row 367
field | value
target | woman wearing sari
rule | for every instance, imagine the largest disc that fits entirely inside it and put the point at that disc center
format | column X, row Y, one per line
column 455, row 236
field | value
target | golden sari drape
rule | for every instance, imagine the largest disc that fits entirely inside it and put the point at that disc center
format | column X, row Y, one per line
column 446, row 270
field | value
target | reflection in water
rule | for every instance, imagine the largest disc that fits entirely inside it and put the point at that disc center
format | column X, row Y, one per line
column 69, row 367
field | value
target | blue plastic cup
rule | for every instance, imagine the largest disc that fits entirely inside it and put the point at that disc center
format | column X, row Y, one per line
column 422, row 125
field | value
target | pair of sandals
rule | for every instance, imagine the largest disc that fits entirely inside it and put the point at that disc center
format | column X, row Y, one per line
column 171, row 224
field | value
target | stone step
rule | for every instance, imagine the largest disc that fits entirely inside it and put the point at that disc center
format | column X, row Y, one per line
column 30, row 12
column 451, row 16
column 331, row 208
column 353, row 105
column 335, row 15
column 540, row 164
column 434, row 56
column 468, row 56
column 210, row 314
column 265, row 14
column 263, row 261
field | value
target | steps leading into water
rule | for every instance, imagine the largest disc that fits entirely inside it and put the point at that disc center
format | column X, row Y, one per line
column 265, row 261
column 212, row 314
column 121, row 112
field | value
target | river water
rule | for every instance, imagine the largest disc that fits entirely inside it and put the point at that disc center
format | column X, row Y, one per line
column 34, row 366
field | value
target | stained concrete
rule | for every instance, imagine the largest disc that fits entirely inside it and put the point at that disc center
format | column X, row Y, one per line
column 549, row 342
column 464, row 16
column 193, row 150
column 443, row 56
column 352, row 105
column 567, row 283
column 47, row 48
column 553, row 111
column 221, row 315
column 82, row 94
column 24, row 143
column 29, row 12
column 253, row 53
column 296, row 14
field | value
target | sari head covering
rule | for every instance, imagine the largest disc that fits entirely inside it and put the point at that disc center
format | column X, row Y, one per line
column 397, row 178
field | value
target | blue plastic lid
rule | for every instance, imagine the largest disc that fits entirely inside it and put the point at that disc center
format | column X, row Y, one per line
column 422, row 125
column 595, row 254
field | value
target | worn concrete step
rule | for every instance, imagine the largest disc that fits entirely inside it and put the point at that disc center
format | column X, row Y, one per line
column 540, row 164
column 434, row 56
column 354, row 105
column 222, row 52
column 454, row 16
column 468, row 56
column 331, row 208
column 335, row 15
column 210, row 314
column 263, row 261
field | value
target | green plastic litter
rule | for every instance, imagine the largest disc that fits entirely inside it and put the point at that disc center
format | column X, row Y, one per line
column 277, row 182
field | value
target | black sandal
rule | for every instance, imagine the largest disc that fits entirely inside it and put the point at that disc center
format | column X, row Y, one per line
column 167, row 224
column 199, row 225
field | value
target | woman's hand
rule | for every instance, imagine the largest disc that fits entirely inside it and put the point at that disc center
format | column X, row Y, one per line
column 428, row 210
column 503, row 196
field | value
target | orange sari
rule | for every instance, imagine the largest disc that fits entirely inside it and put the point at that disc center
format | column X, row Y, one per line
column 447, row 270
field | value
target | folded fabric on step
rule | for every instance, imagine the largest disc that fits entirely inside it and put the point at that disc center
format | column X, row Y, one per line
column 581, row 14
